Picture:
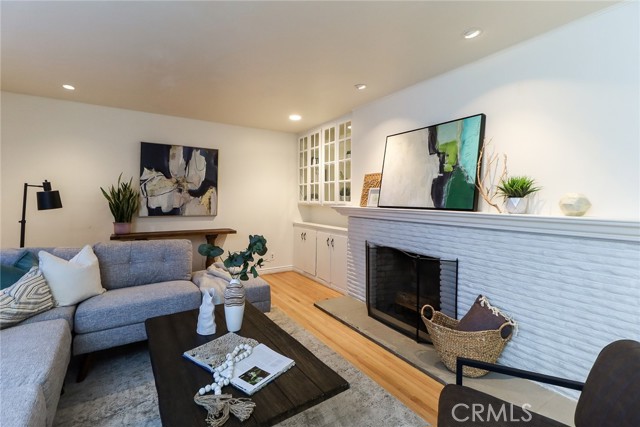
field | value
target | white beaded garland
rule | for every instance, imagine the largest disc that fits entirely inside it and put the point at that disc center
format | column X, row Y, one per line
column 222, row 374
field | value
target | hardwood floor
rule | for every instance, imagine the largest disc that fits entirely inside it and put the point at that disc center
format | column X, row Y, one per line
column 295, row 294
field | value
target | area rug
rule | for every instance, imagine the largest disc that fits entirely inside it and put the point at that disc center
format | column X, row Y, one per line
column 120, row 391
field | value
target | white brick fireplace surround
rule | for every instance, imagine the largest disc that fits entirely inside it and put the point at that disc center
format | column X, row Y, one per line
column 572, row 284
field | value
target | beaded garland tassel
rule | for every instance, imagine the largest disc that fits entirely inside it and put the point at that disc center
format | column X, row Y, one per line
column 219, row 405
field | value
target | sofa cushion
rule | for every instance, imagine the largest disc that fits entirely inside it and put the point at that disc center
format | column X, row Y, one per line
column 23, row 406
column 125, row 264
column 27, row 297
column 36, row 354
column 72, row 281
column 65, row 313
column 125, row 306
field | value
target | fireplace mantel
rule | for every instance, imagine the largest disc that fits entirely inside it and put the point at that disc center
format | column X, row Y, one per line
column 596, row 228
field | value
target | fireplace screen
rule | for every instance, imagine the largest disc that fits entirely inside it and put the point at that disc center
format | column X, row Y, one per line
column 399, row 283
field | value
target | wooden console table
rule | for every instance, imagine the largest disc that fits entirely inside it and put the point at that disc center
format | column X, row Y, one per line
column 210, row 234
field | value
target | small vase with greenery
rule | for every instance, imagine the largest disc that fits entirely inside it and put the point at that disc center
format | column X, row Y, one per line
column 124, row 202
column 515, row 189
column 239, row 264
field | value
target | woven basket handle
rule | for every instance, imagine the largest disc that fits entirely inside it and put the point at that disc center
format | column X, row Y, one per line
column 430, row 308
column 504, row 325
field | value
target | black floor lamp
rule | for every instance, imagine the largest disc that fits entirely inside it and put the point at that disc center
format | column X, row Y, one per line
column 47, row 199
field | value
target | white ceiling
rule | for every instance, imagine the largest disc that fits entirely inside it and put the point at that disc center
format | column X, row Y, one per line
column 253, row 63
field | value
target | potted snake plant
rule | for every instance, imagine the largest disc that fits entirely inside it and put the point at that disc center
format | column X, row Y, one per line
column 124, row 202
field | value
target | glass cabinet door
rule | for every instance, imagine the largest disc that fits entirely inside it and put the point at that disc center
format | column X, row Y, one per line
column 314, row 167
column 329, row 165
column 344, row 161
column 303, row 169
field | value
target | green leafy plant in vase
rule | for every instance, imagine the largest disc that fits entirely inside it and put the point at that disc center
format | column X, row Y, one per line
column 239, row 264
column 124, row 202
column 515, row 190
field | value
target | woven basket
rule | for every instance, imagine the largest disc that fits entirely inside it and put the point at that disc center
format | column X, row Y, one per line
column 451, row 343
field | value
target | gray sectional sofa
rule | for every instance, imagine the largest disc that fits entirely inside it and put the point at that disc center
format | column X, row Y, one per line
column 143, row 279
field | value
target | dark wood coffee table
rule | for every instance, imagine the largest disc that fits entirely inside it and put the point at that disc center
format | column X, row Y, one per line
column 177, row 379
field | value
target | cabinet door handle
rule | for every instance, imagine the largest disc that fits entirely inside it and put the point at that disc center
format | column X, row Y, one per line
column 327, row 241
column 305, row 235
column 331, row 242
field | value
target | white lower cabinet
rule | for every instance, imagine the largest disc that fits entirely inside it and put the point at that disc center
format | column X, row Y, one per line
column 329, row 254
column 304, row 249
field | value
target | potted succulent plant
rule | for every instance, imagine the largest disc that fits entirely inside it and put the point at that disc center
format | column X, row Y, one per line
column 515, row 190
column 124, row 202
column 239, row 264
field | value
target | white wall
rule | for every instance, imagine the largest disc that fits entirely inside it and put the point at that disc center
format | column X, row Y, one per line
column 80, row 148
column 564, row 107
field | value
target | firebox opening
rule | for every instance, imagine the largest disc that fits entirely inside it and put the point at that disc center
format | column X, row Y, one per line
column 399, row 283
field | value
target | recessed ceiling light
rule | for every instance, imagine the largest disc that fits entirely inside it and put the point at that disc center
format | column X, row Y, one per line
column 295, row 117
column 361, row 86
column 68, row 87
column 472, row 33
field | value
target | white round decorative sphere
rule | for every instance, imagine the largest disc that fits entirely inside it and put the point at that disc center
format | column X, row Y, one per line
column 574, row 204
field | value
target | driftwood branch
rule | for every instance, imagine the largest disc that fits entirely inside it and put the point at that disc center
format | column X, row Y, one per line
column 485, row 181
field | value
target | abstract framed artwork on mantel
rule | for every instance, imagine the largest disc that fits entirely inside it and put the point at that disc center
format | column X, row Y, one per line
column 434, row 167
column 177, row 180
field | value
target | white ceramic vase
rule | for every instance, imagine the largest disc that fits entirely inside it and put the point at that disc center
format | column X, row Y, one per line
column 516, row 205
column 206, row 316
column 234, row 296
column 574, row 204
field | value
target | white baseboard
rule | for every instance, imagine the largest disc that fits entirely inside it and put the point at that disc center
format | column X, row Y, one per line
column 271, row 270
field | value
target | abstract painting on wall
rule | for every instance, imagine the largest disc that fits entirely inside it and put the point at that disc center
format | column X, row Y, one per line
column 433, row 167
column 178, row 180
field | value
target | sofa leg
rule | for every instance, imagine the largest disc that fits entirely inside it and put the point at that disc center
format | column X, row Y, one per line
column 85, row 366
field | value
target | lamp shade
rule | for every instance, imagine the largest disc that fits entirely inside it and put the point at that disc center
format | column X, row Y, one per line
column 48, row 200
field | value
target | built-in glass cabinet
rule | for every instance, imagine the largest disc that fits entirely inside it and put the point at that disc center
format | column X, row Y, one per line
column 324, row 165
column 309, row 168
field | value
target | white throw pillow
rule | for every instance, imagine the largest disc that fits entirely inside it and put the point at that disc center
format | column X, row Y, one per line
column 72, row 281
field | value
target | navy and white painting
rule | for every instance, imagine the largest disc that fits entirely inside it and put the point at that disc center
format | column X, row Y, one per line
column 178, row 180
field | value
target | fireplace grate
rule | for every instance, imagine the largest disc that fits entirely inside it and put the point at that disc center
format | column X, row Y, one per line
column 399, row 283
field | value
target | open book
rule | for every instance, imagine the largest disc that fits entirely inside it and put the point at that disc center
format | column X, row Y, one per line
column 249, row 374
column 257, row 370
column 213, row 353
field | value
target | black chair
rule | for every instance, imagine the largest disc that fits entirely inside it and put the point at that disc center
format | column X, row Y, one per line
column 610, row 397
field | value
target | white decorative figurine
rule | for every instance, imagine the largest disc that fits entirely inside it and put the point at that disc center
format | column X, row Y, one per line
column 206, row 319
column 574, row 204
